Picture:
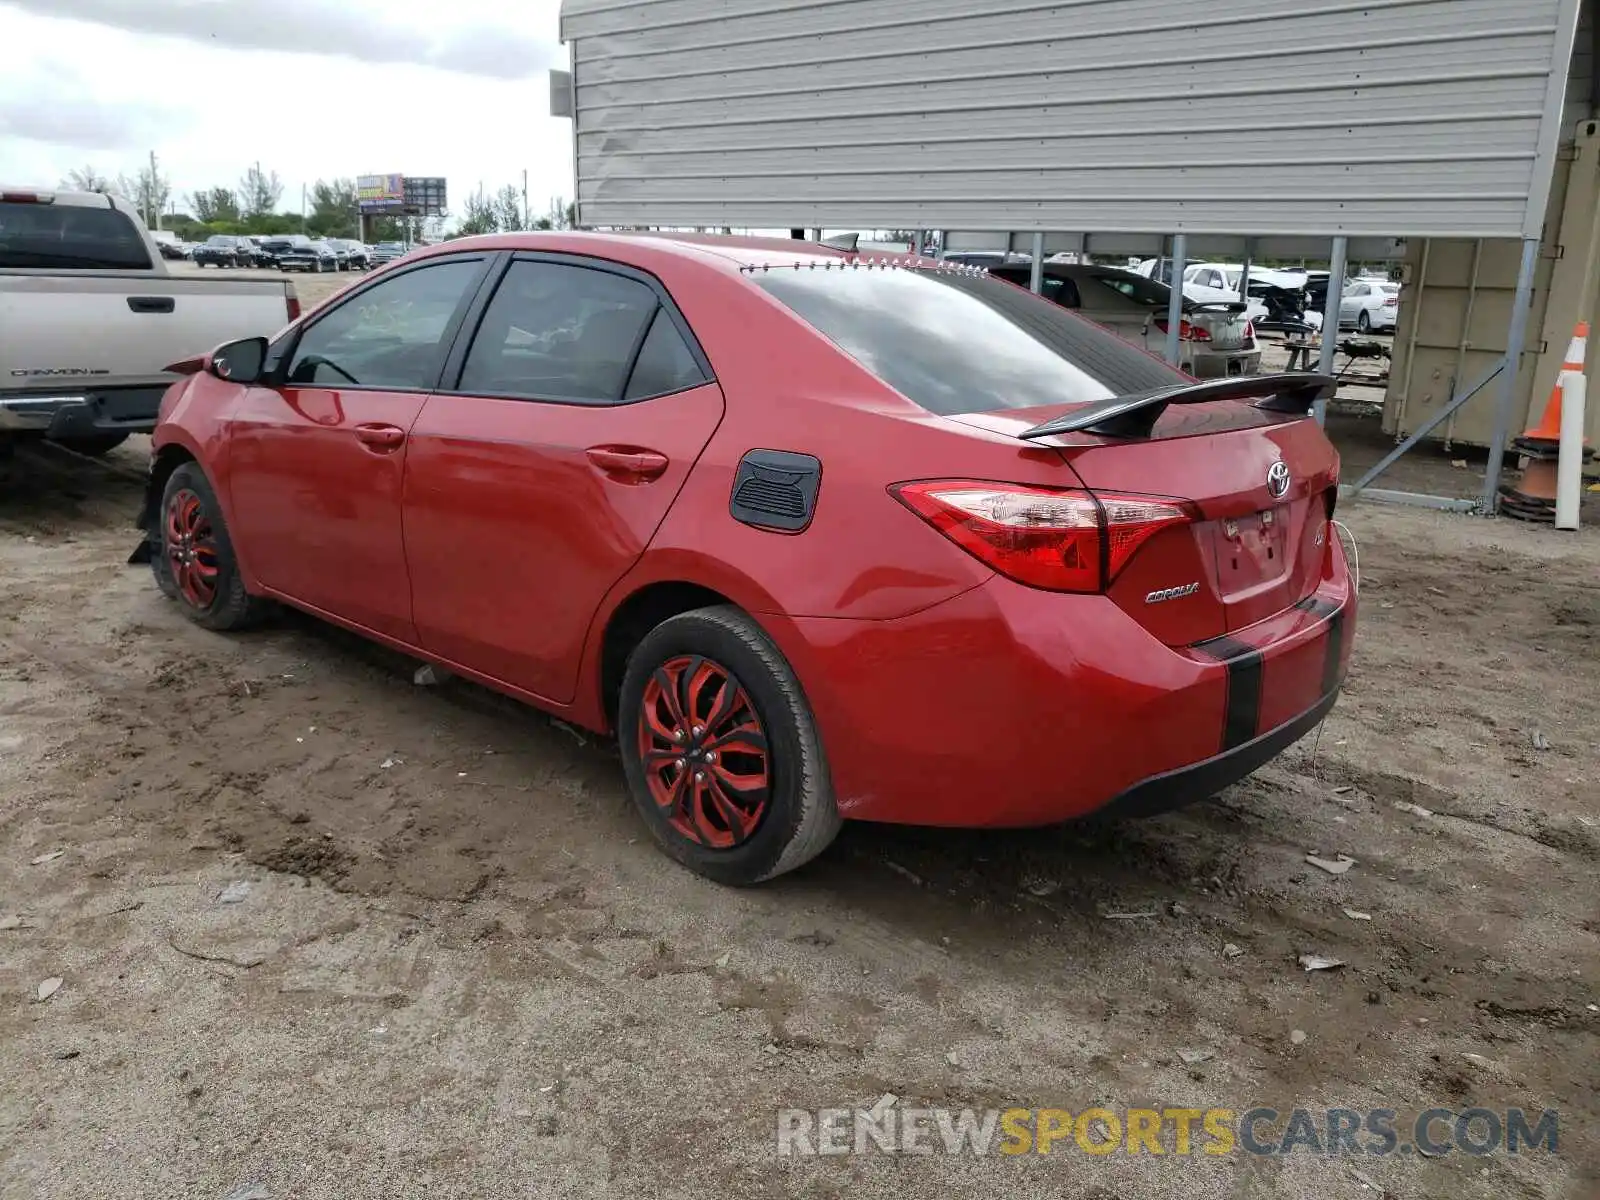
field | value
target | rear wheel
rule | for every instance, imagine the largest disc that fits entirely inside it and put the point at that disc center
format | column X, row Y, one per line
column 721, row 751
column 96, row 445
column 1363, row 323
column 194, row 561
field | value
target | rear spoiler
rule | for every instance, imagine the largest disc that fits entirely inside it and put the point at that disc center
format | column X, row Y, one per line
column 1228, row 306
column 1136, row 415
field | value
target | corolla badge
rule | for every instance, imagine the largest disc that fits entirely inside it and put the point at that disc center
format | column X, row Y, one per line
column 1278, row 479
column 1172, row 593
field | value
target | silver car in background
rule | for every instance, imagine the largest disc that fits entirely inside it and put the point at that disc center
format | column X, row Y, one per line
column 1216, row 339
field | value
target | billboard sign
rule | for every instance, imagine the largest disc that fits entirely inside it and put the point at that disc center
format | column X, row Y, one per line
column 424, row 195
column 401, row 195
column 380, row 193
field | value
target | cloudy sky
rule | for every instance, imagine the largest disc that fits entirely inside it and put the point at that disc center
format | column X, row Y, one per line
column 310, row 88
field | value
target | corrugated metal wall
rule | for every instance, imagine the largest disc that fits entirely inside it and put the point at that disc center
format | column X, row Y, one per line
column 1387, row 117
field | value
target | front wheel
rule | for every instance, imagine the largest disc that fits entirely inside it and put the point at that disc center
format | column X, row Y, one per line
column 722, row 754
column 194, row 561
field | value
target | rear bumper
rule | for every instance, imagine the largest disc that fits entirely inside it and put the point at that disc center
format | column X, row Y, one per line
column 1220, row 364
column 1007, row 706
column 1183, row 786
column 123, row 410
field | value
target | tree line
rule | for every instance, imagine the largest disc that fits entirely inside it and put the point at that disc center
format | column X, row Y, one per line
column 507, row 211
column 251, row 206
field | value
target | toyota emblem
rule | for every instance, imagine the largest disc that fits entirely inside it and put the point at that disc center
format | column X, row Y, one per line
column 1278, row 479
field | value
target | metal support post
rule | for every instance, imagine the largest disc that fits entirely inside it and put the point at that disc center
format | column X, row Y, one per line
column 1180, row 260
column 1330, row 316
column 1036, row 275
column 1505, row 411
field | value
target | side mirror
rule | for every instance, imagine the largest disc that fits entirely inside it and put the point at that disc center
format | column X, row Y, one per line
column 241, row 361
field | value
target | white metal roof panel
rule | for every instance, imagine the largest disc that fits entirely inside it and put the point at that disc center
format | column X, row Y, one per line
column 1389, row 117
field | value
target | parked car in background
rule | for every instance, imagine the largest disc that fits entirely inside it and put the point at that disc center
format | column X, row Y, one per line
column 356, row 257
column 386, row 252
column 1000, row 530
column 1370, row 305
column 341, row 256
column 90, row 319
column 986, row 258
column 224, row 250
column 171, row 246
column 274, row 247
column 308, row 254
column 1221, row 282
column 1215, row 338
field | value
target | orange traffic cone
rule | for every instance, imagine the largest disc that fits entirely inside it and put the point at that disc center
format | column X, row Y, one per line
column 1549, row 427
column 1533, row 497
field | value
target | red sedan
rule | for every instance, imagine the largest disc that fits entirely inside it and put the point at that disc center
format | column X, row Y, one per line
column 817, row 537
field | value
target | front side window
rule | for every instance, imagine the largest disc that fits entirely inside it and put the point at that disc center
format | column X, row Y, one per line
column 393, row 335
column 560, row 332
column 961, row 344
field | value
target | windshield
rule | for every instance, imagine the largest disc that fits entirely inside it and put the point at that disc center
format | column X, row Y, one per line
column 957, row 343
column 70, row 237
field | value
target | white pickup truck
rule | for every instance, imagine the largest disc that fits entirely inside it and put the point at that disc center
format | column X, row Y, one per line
column 90, row 318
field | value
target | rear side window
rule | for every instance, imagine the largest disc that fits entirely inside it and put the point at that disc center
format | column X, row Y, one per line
column 70, row 237
column 954, row 343
column 665, row 362
column 570, row 333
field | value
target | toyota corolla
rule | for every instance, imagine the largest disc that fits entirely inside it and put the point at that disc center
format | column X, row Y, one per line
column 815, row 537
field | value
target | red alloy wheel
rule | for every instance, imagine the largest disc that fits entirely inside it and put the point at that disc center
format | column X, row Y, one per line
column 704, row 752
column 192, row 549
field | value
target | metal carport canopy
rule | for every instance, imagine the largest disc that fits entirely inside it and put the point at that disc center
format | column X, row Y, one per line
column 1386, row 118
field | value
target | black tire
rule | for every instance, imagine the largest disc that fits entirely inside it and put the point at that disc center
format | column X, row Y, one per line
column 228, row 606
column 799, row 817
column 1363, row 322
column 94, row 444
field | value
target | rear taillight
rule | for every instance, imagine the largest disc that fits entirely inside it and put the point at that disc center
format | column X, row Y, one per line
column 294, row 303
column 1392, row 302
column 1187, row 332
column 1062, row 540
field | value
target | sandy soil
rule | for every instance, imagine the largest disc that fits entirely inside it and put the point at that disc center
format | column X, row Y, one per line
column 460, row 968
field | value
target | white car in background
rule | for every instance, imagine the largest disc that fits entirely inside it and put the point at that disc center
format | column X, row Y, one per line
column 1370, row 305
column 1214, row 282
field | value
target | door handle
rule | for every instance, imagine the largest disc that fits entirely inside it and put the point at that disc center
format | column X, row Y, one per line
column 628, row 464
column 152, row 304
column 380, row 437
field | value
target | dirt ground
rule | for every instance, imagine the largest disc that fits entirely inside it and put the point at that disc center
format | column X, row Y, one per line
column 460, row 968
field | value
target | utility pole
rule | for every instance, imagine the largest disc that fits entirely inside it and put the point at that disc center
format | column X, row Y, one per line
column 302, row 206
column 527, row 215
column 152, row 200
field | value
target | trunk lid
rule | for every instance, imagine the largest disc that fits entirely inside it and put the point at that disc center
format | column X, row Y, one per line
column 1248, row 552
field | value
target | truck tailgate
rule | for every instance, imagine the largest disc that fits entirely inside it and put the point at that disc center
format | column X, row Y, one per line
column 88, row 329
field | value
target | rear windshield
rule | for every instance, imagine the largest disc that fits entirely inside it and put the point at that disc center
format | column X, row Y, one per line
column 954, row 343
column 1136, row 288
column 70, row 237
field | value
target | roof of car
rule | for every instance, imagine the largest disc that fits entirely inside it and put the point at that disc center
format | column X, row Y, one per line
column 730, row 250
